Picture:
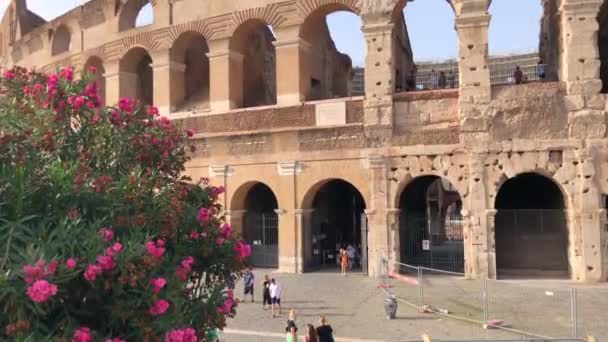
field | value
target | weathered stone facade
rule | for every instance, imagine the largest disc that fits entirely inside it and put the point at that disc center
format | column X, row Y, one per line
column 477, row 137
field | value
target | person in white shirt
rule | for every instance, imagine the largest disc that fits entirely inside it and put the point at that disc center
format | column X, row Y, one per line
column 275, row 296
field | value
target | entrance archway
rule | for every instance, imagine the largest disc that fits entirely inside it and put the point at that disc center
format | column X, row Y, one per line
column 260, row 225
column 337, row 221
column 531, row 230
column 431, row 225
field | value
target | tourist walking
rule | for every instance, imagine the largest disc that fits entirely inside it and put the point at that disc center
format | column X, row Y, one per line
column 540, row 70
column 350, row 250
column 266, row 299
column 275, row 296
column 343, row 260
column 291, row 329
column 248, row 278
column 311, row 334
column 518, row 75
column 324, row 331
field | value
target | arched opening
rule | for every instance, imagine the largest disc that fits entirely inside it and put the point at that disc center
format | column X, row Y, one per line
column 531, row 232
column 523, row 52
column 253, row 40
column 137, row 76
column 338, row 221
column 431, row 225
column 260, row 223
column 602, row 41
column 191, row 49
column 335, row 57
column 135, row 13
column 62, row 41
column 421, row 63
column 99, row 77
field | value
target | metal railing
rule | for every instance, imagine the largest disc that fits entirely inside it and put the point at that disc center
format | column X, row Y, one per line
column 558, row 313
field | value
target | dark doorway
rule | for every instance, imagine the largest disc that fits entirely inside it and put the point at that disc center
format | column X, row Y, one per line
column 531, row 230
column 431, row 225
column 145, row 79
column 602, row 41
column 261, row 226
column 337, row 221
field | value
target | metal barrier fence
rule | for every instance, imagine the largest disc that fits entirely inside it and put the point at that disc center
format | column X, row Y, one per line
column 532, row 309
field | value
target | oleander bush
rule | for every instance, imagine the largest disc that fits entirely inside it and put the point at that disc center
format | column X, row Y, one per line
column 102, row 237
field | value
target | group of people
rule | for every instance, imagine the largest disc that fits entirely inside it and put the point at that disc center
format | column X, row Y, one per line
column 322, row 333
column 271, row 299
column 519, row 77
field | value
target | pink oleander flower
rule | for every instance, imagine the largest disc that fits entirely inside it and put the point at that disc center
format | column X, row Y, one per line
column 226, row 230
column 116, row 339
column 228, row 304
column 114, row 249
column 96, row 118
column 152, row 111
column 220, row 240
column 106, row 262
column 158, row 283
column 159, row 308
column 184, row 269
column 181, row 335
column 71, row 263
column 82, row 334
column 218, row 190
column 92, row 272
column 106, row 234
column 67, row 73
column 203, row 215
column 39, row 271
column 156, row 249
column 243, row 251
column 92, row 69
column 195, row 235
column 190, row 133
column 41, row 291
column 9, row 75
column 91, row 89
column 126, row 105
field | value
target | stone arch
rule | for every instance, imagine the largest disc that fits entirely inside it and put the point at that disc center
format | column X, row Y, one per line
column 136, row 74
column 98, row 77
column 531, row 231
column 506, row 176
column 430, row 234
column 128, row 12
column 460, row 184
column 192, row 84
column 253, row 211
column 307, row 199
column 337, row 218
column 253, row 41
column 307, row 7
column 328, row 73
column 62, row 40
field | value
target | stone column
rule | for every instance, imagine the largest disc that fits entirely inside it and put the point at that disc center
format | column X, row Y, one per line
column 293, row 80
column 225, row 76
column 474, row 62
column 392, row 218
column 168, row 82
column 379, row 78
column 378, row 230
column 112, row 76
column 290, row 241
column 236, row 218
column 303, row 231
column 491, row 224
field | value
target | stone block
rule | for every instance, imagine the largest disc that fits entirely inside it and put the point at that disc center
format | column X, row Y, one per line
column 597, row 102
column 586, row 87
column 587, row 124
column 574, row 102
column 474, row 125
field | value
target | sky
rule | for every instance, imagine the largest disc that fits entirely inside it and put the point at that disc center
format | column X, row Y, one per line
column 514, row 27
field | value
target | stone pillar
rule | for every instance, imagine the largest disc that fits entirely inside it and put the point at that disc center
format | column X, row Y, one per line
column 293, row 80
column 303, row 231
column 491, row 224
column 476, row 227
column 580, row 60
column 378, row 230
column 379, row 78
column 168, row 82
column 290, row 242
column 392, row 218
column 225, row 76
column 474, row 62
column 112, row 76
column 236, row 218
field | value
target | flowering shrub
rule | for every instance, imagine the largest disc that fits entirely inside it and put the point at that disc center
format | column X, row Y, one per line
column 102, row 237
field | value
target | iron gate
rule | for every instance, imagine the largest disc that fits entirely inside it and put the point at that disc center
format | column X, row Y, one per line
column 441, row 248
column 261, row 231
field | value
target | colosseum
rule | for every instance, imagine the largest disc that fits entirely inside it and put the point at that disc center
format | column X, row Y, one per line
column 490, row 180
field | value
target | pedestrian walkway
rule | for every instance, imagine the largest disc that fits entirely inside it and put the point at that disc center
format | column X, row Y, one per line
column 353, row 305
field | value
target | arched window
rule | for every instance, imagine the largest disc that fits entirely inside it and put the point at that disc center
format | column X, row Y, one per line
column 135, row 13
column 515, row 39
column 336, row 58
column 426, row 46
column 62, row 40
column 253, row 40
column 137, row 75
column 602, row 41
column 191, row 49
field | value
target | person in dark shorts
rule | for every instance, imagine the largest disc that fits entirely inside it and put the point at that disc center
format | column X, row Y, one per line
column 275, row 295
column 291, row 330
column 324, row 331
column 266, row 293
column 248, row 278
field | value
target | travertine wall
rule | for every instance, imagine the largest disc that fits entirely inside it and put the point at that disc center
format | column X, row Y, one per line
column 477, row 137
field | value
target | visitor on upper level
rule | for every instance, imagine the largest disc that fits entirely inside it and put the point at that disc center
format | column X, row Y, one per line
column 540, row 70
column 442, row 80
column 518, row 75
column 451, row 79
column 434, row 79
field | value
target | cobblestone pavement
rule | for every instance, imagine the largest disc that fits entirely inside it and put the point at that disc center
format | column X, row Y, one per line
column 353, row 306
